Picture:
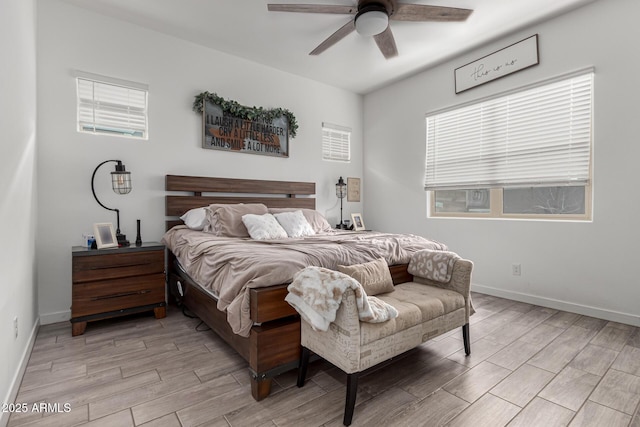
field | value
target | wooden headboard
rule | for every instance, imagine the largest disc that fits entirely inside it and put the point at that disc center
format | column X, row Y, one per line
column 274, row 194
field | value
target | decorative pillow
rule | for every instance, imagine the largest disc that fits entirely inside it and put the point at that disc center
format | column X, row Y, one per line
column 195, row 219
column 374, row 276
column 318, row 222
column 294, row 223
column 263, row 227
column 433, row 265
column 226, row 220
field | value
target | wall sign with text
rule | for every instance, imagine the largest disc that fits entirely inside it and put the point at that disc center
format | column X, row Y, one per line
column 518, row 56
column 224, row 132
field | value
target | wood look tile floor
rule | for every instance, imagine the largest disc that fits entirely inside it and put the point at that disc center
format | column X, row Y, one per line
column 530, row 366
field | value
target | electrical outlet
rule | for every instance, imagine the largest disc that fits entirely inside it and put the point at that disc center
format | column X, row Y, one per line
column 15, row 327
column 516, row 269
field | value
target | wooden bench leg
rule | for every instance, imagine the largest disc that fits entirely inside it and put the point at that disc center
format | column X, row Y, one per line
column 304, row 363
column 350, row 403
column 465, row 338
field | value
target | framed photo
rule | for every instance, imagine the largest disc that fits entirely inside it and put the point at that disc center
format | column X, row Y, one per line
column 358, row 223
column 105, row 235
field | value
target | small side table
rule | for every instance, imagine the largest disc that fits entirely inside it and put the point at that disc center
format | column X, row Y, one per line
column 114, row 282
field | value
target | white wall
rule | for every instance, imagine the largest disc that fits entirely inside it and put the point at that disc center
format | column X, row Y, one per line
column 585, row 267
column 17, row 191
column 72, row 38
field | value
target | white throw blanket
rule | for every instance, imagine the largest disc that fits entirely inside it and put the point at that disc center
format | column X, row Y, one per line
column 316, row 293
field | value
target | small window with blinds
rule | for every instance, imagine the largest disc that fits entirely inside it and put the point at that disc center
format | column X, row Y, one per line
column 111, row 106
column 336, row 143
column 524, row 154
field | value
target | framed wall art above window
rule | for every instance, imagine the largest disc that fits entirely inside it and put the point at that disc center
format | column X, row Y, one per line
column 513, row 58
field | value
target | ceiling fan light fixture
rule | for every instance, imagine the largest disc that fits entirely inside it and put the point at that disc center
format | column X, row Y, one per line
column 371, row 20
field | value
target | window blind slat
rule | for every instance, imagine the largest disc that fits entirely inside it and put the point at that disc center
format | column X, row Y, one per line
column 541, row 136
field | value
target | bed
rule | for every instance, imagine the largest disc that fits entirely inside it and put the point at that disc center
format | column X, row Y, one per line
column 267, row 330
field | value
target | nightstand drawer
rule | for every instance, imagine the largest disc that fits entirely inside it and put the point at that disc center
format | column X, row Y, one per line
column 112, row 295
column 117, row 265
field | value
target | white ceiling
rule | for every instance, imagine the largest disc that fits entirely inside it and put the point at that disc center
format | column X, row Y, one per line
column 280, row 40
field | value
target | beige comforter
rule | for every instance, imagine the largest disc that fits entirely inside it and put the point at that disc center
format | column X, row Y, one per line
column 229, row 267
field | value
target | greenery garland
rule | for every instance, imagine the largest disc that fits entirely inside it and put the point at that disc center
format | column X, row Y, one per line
column 248, row 113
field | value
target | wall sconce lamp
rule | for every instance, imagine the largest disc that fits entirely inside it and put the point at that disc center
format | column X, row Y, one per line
column 341, row 192
column 121, row 184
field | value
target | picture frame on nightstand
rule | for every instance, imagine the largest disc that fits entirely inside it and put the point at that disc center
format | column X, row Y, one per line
column 105, row 235
column 358, row 222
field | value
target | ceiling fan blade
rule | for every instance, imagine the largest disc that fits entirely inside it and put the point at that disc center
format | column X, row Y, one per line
column 421, row 12
column 334, row 38
column 313, row 8
column 386, row 43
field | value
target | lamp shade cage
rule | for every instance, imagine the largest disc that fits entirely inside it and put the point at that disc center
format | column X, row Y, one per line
column 341, row 189
column 121, row 179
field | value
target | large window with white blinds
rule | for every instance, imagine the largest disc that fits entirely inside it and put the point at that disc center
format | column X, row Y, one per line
column 336, row 142
column 111, row 106
column 524, row 153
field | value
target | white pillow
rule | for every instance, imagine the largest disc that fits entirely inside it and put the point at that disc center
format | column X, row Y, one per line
column 195, row 219
column 317, row 221
column 295, row 224
column 261, row 227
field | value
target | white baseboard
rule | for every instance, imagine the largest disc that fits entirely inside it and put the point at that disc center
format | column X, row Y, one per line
column 17, row 378
column 600, row 313
column 56, row 317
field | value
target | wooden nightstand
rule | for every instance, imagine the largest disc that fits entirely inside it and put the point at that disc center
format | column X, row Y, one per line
column 114, row 282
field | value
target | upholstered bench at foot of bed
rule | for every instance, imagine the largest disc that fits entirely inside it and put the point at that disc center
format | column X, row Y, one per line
column 426, row 309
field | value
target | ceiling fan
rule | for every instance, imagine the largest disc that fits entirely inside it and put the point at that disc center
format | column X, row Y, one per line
column 372, row 19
